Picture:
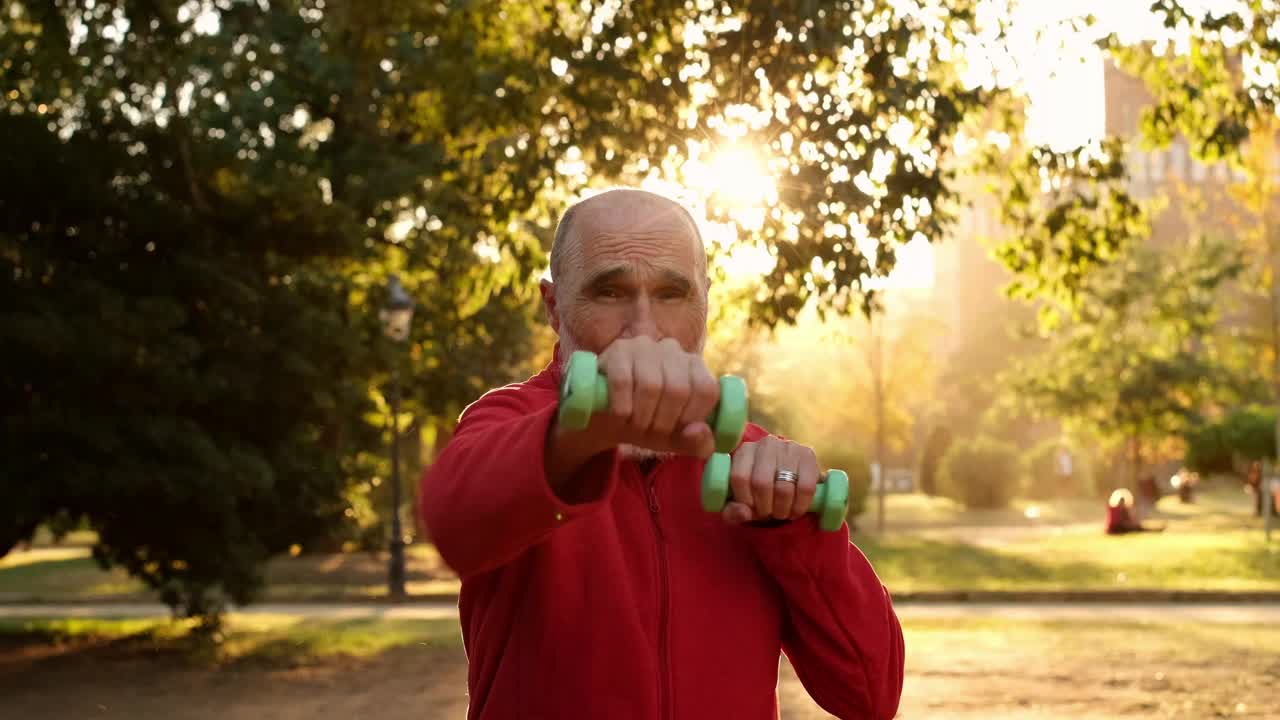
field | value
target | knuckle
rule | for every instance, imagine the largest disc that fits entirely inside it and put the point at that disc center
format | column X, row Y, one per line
column 648, row 386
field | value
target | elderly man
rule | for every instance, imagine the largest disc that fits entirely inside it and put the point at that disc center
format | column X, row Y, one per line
column 593, row 583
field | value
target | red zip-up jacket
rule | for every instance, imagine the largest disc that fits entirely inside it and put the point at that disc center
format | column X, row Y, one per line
column 639, row 604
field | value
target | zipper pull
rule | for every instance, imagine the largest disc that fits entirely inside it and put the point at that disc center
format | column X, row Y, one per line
column 653, row 498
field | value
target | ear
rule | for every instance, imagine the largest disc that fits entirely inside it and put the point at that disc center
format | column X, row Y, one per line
column 548, row 291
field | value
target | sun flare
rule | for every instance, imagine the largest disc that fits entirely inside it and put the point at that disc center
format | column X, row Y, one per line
column 735, row 176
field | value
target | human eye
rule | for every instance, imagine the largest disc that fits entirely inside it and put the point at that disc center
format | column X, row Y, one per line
column 609, row 292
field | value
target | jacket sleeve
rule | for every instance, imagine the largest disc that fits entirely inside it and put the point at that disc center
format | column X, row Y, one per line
column 841, row 632
column 486, row 499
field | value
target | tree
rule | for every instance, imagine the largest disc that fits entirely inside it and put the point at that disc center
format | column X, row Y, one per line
column 850, row 104
column 202, row 207
column 1139, row 363
column 1244, row 435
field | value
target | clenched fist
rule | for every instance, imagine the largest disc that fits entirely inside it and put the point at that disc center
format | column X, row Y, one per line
column 660, row 397
column 758, row 493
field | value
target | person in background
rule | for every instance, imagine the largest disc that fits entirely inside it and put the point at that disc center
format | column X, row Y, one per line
column 1120, row 517
column 1253, row 486
column 1185, row 483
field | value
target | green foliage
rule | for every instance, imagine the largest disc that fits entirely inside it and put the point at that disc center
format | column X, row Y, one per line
column 1069, row 214
column 1140, row 360
column 195, row 231
column 980, row 473
column 1201, row 92
column 816, row 86
column 1209, row 449
column 1044, row 477
column 1244, row 435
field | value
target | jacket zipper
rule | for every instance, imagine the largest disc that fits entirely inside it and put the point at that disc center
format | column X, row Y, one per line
column 663, row 620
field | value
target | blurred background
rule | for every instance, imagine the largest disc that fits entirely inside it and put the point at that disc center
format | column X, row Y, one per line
column 1010, row 263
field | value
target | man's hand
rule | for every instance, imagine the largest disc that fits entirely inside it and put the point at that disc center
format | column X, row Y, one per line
column 659, row 398
column 757, row 492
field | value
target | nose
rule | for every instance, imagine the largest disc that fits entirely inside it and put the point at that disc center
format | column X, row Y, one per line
column 641, row 320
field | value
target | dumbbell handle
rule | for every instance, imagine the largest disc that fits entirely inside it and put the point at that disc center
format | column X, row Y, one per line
column 728, row 418
column 830, row 498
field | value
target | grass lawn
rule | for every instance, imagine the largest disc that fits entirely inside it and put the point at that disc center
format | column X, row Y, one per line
column 1222, row 561
column 391, row 670
column 63, row 574
column 933, row 544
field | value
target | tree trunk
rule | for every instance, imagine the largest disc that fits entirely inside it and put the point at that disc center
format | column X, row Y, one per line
column 1137, row 461
column 877, row 379
column 1273, row 244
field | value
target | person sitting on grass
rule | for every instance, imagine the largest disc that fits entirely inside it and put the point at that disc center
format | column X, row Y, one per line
column 594, row 585
column 1120, row 517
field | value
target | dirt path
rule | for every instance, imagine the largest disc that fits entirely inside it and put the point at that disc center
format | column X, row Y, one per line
column 957, row 669
column 110, row 684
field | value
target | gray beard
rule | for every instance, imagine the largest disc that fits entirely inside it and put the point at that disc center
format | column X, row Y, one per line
column 628, row 452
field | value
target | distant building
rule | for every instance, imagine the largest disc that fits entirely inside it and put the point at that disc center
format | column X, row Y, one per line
column 1197, row 192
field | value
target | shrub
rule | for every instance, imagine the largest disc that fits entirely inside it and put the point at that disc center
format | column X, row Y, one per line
column 980, row 473
column 1247, row 434
column 935, row 446
column 1043, row 479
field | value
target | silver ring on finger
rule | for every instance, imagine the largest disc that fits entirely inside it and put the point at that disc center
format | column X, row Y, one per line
column 787, row 476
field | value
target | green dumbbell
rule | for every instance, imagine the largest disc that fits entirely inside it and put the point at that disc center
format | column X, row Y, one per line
column 830, row 497
column 584, row 390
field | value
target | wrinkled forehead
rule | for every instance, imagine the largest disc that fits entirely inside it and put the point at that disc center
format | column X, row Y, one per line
column 636, row 228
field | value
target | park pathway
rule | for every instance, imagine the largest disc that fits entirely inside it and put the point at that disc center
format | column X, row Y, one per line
column 1248, row 613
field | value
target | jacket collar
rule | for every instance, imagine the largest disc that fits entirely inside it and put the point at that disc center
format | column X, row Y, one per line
column 550, row 374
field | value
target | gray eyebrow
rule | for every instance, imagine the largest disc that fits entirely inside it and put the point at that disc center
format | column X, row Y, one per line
column 606, row 275
column 675, row 278
column 616, row 272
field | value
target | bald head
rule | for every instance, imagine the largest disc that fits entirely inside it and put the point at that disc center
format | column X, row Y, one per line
column 626, row 210
column 626, row 263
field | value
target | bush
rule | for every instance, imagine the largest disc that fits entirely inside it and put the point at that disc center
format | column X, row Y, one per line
column 935, row 446
column 1247, row 434
column 854, row 462
column 1043, row 479
column 980, row 473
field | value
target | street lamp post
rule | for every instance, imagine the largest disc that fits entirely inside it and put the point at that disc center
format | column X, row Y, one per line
column 396, row 317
